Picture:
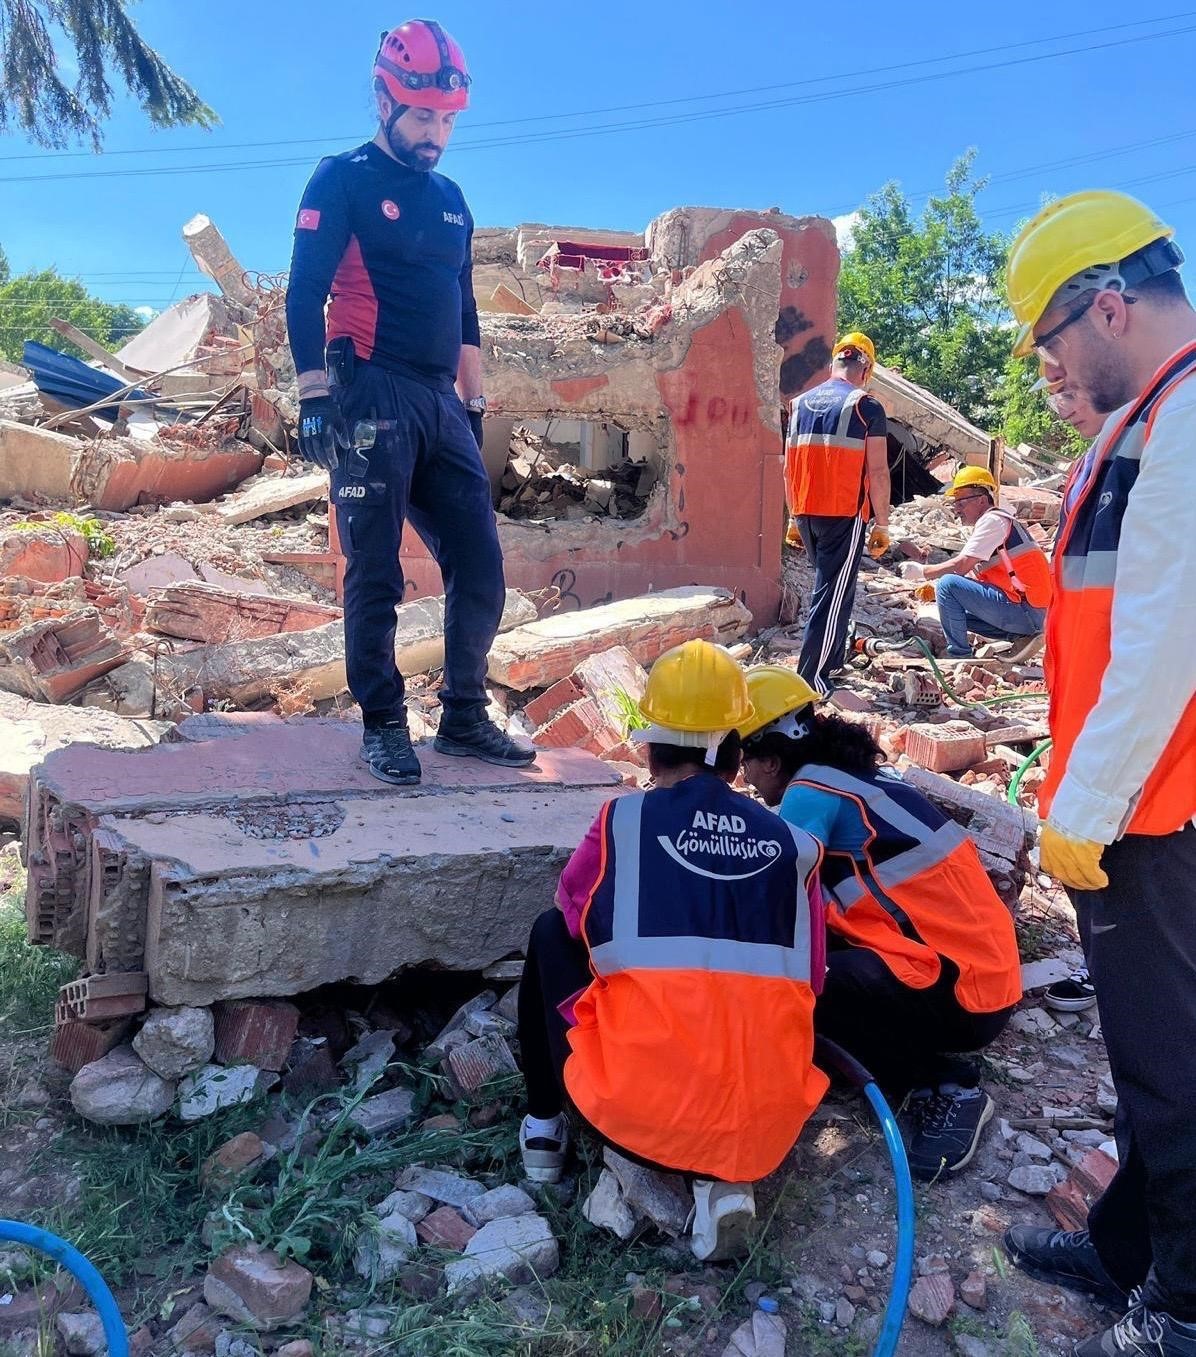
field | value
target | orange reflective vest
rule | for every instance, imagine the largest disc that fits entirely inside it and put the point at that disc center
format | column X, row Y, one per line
column 1079, row 624
column 826, row 471
column 694, row 1044
column 918, row 892
column 1019, row 568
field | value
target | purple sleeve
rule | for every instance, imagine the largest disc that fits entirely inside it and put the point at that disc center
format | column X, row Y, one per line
column 322, row 231
column 580, row 877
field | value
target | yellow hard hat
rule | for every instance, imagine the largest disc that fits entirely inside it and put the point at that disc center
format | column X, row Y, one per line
column 972, row 475
column 856, row 340
column 696, row 687
column 1078, row 233
column 775, row 692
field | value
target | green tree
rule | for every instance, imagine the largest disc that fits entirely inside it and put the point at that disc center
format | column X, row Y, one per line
column 29, row 301
column 928, row 289
column 1026, row 417
column 105, row 42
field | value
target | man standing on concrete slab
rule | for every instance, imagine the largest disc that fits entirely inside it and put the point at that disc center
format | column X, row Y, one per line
column 999, row 584
column 836, row 466
column 391, row 395
column 1093, row 280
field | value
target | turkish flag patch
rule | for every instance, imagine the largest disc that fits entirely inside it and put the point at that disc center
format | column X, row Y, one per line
column 309, row 220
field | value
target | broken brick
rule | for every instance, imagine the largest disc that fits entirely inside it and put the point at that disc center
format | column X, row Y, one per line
column 611, row 678
column 203, row 612
column 946, row 748
column 562, row 694
column 477, row 1062
column 580, row 726
column 96, row 997
column 255, row 1032
column 76, row 1044
column 48, row 554
column 52, row 659
column 233, row 1160
column 445, row 1228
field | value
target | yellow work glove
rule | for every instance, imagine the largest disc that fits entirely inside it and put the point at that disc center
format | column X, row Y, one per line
column 924, row 593
column 1074, row 862
column 878, row 542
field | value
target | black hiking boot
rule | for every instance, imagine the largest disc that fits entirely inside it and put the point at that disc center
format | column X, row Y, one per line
column 387, row 749
column 947, row 1124
column 477, row 737
column 1063, row 1258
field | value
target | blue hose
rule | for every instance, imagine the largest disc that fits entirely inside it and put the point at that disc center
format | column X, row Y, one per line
column 85, row 1272
column 903, row 1266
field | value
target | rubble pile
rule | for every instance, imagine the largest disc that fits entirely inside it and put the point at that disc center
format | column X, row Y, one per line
column 538, row 484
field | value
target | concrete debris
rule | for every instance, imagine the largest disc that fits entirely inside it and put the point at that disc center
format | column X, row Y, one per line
column 414, row 1205
column 606, row 1207
column 1036, row 1180
column 119, row 1089
column 203, row 612
column 382, row 1113
column 505, row 1200
column 383, row 1249
column 763, row 1335
column 176, row 1041
column 439, row 1047
column 519, row 1248
column 254, row 1287
column 542, row 652
column 52, row 659
column 451, row 1189
column 662, row 1197
column 270, row 494
column 369, row 1058
column 215, row 1086
column 82, row 1333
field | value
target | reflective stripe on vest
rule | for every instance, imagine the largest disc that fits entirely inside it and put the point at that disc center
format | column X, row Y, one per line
column 1019, row 568
column 628, row 950
column 1080, row 622
column 826, row 473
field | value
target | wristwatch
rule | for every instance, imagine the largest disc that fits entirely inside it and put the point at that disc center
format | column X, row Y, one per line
column 476, row 404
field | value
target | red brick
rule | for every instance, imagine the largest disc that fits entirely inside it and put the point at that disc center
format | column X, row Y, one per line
column 255, row 1031
column 1095, row 1172
column 574, row 727
column 96, row 997
column 445, row 1229
column 76, row 1044
column 946, row 748
column 561, row 694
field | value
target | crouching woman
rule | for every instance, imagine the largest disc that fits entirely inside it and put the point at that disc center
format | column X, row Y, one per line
column 669, row 995
column 923, row 959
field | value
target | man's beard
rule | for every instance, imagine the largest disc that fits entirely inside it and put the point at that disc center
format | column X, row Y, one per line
column 1108, row 383
column 409, row 152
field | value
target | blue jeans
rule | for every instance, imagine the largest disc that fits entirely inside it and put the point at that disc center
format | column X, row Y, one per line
column 424, row 469
column 967, row 605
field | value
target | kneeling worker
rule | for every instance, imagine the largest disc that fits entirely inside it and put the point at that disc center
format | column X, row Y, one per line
column 1011, row 588
column 927, row 962
column 669, row 995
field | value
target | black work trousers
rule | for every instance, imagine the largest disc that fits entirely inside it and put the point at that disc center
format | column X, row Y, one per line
column 424, row 468
column 1139, row 935
column 906, row 1038
column 834, row 547
column 557, row 966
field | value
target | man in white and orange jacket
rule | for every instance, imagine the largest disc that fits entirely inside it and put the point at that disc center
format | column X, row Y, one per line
column 1093, row 279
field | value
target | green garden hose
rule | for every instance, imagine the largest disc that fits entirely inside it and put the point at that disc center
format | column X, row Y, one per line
column 1024, row 767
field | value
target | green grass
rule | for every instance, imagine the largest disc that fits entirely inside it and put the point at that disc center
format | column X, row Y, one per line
column 99, row 542
column 1019, row 1337
column 30, row 977
column 629, row 712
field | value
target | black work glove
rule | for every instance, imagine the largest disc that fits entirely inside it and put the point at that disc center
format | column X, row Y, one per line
column 321, row 431
column 475, row 423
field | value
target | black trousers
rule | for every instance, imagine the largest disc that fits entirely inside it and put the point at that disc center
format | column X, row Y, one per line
column 906, row 1038
column 1139, row 935
column 557, row 967
column 834, row 547
column 424, row 468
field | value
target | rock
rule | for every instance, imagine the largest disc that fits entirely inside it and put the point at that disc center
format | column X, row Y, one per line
column 444, row 1121
column 1031, row 1145
column 451, row 1188
column 361, row 1327
column 382, row 1250
column 1036, row 1180
column 384, row 1112
column 646, row 1303
column 436, row 1050
column 197, row 1330
column 1106, row 1094
column 445, row 1228
column 119, row 1089
column 253, row 1286
column 301, row 1347
column 607, row 1209
column 877, row 1259
column 932, row 1298
column 1033, row 1022
column 662, row 1197
column 414, row 1205
column 826, row 1311
column 973, row 1291
column 369, row 1058
column 82, row 1332
column 844, row 1312
column 520, row 1248
column 216, row 1086
column 506, row 1200
column 233, row 1160
column 761, row 1336
column 967, row 1345
column 229, row 1345
column 991, row 1192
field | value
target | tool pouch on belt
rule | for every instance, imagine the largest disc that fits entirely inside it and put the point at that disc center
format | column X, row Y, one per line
column 341, row 358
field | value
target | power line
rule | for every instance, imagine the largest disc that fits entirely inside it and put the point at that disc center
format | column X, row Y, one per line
column 562, row 134
column 855, row 74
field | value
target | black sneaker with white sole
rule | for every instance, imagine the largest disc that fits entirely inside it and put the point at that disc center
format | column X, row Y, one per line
column 947, row 1124
column 480, row 738
column 1063, row 1258
column 1073, row 995
column 1142, row 1332
column 388, row 751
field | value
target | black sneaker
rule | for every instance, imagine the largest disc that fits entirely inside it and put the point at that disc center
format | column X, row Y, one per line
column 480, row 738
column 387, row 749
column 1143, row 1332
column 1073, row 995
column 1063, row 1258
column 947, row 1123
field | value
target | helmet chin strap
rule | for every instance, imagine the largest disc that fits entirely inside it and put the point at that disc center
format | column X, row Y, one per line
column 397, row 113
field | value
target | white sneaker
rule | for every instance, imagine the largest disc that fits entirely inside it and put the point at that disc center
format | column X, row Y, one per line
column 544, row 1156
column 724, row 1214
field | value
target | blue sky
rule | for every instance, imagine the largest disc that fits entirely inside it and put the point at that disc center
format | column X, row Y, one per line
column 299, row 72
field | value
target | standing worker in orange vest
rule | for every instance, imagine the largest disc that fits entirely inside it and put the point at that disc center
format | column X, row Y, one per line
column 1012, row 583
column 671, row 993
column 836, row 474
column 1093, row 282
